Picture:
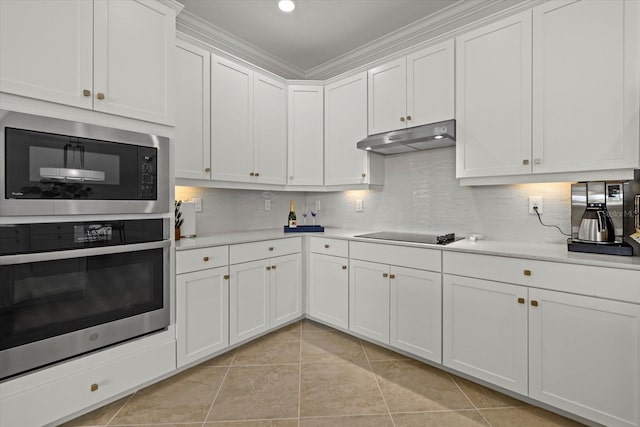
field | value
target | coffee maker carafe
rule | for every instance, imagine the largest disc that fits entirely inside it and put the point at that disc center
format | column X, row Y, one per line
column 596, row 226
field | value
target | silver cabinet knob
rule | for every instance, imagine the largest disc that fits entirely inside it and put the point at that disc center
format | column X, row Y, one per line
column 525, row 162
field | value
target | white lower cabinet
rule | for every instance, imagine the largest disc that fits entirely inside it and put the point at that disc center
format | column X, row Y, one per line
column 202, row 302
column 484, row 329
column 286, row 283
column 415, row 312
column 266, row 292
column 393, row 304
column 580, row 354
column 369, row 300
column 584, row 356
column 329, row 289
column 202, row 313
column 248, row 300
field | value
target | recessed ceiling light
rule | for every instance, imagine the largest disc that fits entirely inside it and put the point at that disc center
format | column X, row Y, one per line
column 438, row 137
column 286, row 5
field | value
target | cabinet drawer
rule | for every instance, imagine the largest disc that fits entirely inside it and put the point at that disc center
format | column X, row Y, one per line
column 405, row 256
column 335, row 247
column 265, row 249
column 603, row 282
column 201, row 259
column 68, row 395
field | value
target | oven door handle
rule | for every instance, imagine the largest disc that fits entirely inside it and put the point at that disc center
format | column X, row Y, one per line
column 80, row 253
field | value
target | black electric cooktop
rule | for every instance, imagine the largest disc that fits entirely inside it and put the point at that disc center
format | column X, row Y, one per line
column 434, row 239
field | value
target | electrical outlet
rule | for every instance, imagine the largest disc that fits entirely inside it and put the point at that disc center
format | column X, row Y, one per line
column 267, row 204
column 358, row 205
column 317, row 205
column 198, row 202
column 535, row 201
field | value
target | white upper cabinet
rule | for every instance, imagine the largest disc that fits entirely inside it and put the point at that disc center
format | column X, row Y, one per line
column 306, row 135
column 58, row 67
column 270, row 130
column 193, row 117
column 111, row 56
column 413, row 90
column 493, row 99
column 585, row 85
column 231, row 121
column 388, row 97
column 345, row 123
column 248, row 125
column 133, row 59
column 431, row 85
column 554, row 90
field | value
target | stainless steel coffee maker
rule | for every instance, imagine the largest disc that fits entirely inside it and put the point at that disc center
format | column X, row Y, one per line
column 604, row 217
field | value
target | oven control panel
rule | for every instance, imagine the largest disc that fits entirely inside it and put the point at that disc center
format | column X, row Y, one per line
column 147, row 175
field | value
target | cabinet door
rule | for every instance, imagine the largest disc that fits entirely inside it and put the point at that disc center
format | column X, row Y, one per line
column 134, row 66
column 329, row 289
column 388, row 97
column 231, row 121
column 248, row 300
column 270, row 130
column 430, row 85
column 345, row 123
column 55, row 67
column 193, row 114
column 484, row 330
column 585, row 74
column 286, row 285
column 306, row 137
column 493, row 99
column 584, row 356
column 369, row 300
column 416, row 312
column 202, row 314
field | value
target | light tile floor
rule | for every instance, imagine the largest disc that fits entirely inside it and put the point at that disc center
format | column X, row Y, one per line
column 308, row 375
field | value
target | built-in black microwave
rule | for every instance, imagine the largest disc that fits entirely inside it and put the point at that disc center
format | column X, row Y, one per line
column 59, row 167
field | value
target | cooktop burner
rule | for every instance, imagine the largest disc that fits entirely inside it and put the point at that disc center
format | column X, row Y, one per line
column 412, row 237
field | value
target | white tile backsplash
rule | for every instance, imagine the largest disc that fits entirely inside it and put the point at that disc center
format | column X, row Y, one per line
column 235, row 210
column 420, row 194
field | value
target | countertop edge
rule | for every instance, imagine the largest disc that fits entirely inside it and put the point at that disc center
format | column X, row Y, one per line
column 550, row 252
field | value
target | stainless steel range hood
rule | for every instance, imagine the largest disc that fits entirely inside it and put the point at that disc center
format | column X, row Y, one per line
column 434, row 135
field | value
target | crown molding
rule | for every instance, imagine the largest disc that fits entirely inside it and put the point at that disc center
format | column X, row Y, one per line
column 215, row 36
column 445, row 24
column 456, row 19
column 173, row 4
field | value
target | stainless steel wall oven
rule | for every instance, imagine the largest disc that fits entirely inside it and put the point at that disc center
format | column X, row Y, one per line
column 58, row 167
column 68, row 287
column 73, row 287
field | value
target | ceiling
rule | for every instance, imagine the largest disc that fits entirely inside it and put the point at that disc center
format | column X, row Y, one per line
column 317, row 30
column 323, row 38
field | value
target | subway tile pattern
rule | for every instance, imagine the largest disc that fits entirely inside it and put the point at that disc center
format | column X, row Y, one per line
column 420, row 194
column 309, row 375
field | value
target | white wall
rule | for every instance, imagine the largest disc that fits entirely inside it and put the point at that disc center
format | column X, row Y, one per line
column 420, row 194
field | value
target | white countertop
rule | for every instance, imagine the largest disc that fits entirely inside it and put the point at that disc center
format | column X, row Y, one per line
column 554, row 252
